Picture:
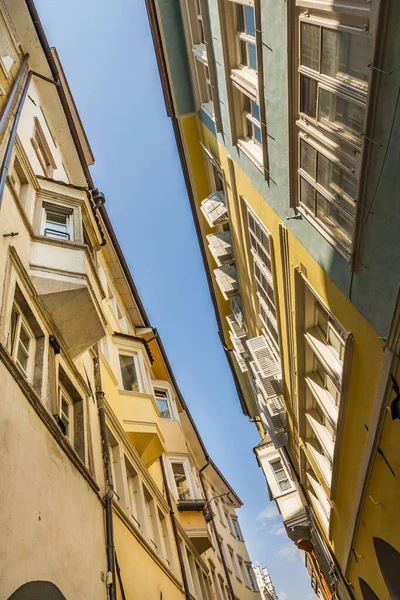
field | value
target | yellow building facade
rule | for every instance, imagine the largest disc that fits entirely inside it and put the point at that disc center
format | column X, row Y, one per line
column 108, row 489
column 306, row 302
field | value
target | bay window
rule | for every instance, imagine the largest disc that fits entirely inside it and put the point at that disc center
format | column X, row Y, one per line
column 131, row 380
column 57, row 222
column 163, row 404
column 280, row 475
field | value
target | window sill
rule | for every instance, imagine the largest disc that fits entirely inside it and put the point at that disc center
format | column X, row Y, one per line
column 343, row 251
column 200, row 53
column 63, row 243
column 246, row 81
column 249, row 149
column 208, row 108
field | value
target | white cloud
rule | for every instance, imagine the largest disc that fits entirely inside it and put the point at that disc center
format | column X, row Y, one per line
column 283, row 596
column 288, row 553
column 278, row 530
column 270, row 512
column 313, row 597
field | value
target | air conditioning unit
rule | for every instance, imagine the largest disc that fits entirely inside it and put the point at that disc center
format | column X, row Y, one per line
column 214, row 209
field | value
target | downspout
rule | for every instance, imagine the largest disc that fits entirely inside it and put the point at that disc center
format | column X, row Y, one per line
column 227, row 575
column 175, row 530
column 13, row 133
column 108, row 479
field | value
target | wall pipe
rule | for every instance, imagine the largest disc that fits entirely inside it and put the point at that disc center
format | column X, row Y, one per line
column 7, row 108
column 13, row 133
column 107, row 475
column 175, row 530
column 227, row 575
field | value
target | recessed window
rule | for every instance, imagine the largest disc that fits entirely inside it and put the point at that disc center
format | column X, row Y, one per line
column 236, row 528
column 21, row 340
column 162, row 400
column 251, row 113
column 66, row 412
column 280, row 475
column 58, row 222
column 129, row 373
column 19, row 181
column 42, row 150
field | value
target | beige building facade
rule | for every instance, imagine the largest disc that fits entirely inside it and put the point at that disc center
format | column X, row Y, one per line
column 108, row 490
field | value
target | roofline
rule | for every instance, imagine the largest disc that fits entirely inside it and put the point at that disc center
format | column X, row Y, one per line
column 110, row 230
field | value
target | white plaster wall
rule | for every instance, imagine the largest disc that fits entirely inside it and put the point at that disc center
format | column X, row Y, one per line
column 51, row 520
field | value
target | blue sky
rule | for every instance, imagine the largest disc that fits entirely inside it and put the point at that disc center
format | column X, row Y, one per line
column 108, row 57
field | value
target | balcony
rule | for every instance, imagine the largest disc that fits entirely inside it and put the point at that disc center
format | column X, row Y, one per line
column 140, row 417
column 67, row 284
column 220, row 246
column 215, row 210
column 227, row 281
column 193, row 520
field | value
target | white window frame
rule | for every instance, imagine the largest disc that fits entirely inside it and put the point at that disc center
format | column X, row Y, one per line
column 192, row 486
column 139, row 368
column 63, row 394
column 282, row 468
column 13, row 344
column 159, row 386
column 66, row 211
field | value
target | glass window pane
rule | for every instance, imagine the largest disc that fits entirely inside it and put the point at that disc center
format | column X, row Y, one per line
column 335, row 180
column 250, row 28
column 13, row 329
column 307, row 195
column 341, row 116
column 308, row 158
column 24, row 337
column 162, row 403
column 22, row 356
column 257, row 134
column 310, row 40
column 128, row 371
column 334, row 220
column 243, row 53
column 346, row 56
column 181, row 481
column 240, row 17
column 308, row 96
column 255, row 111
column 246, row 103
column 252, row 56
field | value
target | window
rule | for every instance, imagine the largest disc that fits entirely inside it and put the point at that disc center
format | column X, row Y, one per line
column 280, row 475
column 19, row 181
column 218, row 507
column 151, row 519
column 252, row 578
column 112, row 302
column 181, row 480
column 246, row 36
column 134, row 504
column 236, row 527
column 227, row 519
column 222, row 586
column 260, row 248
column 21, row 342
column 165, row 541
column 335, row 51
column 162, row 400
column 58, row 222
column 129, row 373
column 66, row 412
column 233, row 562
column 243, row 571
column 42, row 150
column 122, row 321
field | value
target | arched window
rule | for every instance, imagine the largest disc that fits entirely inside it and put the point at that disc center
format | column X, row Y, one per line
column 45, row 590
column 389, row 563
column 367, row 592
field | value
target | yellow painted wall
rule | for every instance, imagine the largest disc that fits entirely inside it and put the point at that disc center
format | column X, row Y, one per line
column 142, row 577
column 367, row 350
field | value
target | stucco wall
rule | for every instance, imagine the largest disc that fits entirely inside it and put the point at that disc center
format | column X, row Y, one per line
column 51, row 520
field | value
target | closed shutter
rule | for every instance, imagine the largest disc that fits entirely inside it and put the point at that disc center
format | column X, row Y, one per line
column 214, row 209
column 263, row 357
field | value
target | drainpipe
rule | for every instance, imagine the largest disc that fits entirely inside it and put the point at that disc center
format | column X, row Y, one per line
column 108, row 479
column 13, row 92
column 227, row 574
column 13, row 133
column 175, row 530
